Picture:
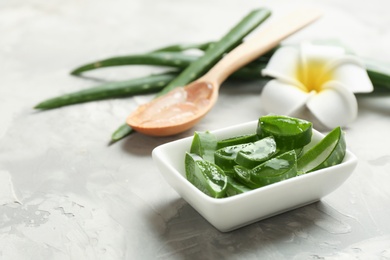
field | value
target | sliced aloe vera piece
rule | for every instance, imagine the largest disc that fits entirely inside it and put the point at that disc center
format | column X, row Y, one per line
column 328, row 152
column 289, row 132
column 299, row 152
column 225, row 157
column 234, row 187
column 257, row 152
column 237, row 140
column 204, row 144
column 274, row 170
column 206, row 176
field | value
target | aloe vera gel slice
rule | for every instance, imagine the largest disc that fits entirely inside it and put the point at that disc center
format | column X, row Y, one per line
column 242, row 139
column 226, row 157
column 274, row 170
column 257, row 152
column 206, row 176
column 204, row 144
column 289, row 133
column 234, row 187
column 328, row 152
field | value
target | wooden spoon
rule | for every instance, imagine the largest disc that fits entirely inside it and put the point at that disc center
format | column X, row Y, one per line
column 183, row 107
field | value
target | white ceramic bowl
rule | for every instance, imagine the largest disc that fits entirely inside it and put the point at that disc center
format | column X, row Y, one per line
column 233, row 212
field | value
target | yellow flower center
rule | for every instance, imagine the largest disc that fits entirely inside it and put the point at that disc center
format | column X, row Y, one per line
column 313, row 75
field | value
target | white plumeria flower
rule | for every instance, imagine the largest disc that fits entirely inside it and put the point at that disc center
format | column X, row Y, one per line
column 319, row 78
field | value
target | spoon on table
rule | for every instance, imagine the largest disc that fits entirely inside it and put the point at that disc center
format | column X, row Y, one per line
column 183, row 107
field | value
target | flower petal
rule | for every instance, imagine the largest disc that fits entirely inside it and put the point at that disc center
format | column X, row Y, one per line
column 321, row 53
column 283, row 66
column 334, row 106
column 281, row 98
column 351, row 73
column 315, row 60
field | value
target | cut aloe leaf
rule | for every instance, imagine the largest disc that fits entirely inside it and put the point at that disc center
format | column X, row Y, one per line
column 206, row 176
column 204, row 144
column 226, row 157
column 237, row 140
column 244, row 175
column 257, row 152
column 299, row 152
column 234, row 187
column 274, row 170
column 328, row 152
column 289, row 133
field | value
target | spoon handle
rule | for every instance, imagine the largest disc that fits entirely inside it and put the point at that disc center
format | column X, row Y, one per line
column 259, row 44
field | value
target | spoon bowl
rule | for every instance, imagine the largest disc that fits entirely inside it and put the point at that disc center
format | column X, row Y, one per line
column 183, row 107
column 175, row 112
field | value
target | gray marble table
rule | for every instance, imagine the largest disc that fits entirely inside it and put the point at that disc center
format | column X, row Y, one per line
column 66, row 194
